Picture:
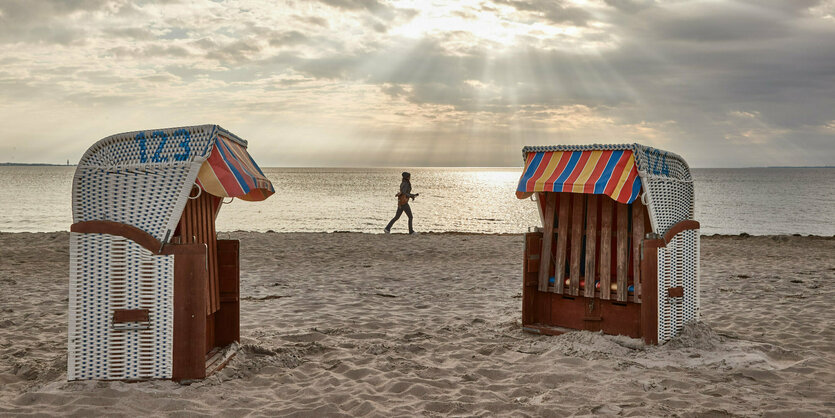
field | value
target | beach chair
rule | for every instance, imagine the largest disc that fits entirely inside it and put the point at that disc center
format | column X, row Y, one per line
column 618, row 249
column 153, row 293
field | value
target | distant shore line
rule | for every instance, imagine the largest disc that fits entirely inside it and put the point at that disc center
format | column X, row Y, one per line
column 437, row 233
column 35, row 165
column 10, row 164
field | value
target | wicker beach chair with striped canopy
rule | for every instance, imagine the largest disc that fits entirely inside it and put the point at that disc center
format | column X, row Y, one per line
column 153, row 294
column 618, row 250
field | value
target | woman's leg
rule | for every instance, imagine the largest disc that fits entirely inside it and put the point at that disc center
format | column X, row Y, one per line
column 408, row 211
column 396, row 217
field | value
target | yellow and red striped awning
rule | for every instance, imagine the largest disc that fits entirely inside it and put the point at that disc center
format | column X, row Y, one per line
column 231, row 172
column 609, row 172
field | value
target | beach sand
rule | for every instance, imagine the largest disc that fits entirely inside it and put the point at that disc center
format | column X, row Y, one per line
column 385, row 325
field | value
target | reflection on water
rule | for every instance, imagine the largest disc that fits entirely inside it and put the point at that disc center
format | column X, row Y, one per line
column 756, row 201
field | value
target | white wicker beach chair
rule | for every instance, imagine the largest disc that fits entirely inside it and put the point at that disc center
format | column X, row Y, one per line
column 129, row 193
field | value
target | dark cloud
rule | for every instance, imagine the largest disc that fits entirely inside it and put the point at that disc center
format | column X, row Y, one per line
column 631, row 6
column 551, row 10
column 23, row 11
column 136, row 33
column 43, row 21
column 150, row 51
column 314, row 20
column 287, row 38
column 705, row 25
column 394, row 90
column 330, row 67
column 161, row 78
column 370, row 5
column 793, row 7
column 235, row 52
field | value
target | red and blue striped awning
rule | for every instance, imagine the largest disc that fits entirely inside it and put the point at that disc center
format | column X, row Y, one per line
column 609, row 172
column 231, row 172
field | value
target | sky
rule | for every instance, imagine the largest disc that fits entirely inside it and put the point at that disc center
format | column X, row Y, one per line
column 425, row 83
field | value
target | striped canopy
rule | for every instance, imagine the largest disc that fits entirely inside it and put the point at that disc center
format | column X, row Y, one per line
column 611, row 172
column 231, row 172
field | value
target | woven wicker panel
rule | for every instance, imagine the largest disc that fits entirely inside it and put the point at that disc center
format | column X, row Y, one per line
column 108, row 273
column 668, row 187
column 141, row 178
column 678, row 265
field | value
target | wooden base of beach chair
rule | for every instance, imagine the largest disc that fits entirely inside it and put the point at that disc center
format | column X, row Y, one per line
column 612, row 278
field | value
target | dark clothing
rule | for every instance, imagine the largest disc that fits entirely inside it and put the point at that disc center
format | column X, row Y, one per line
column 400, row 210
column 406, row 188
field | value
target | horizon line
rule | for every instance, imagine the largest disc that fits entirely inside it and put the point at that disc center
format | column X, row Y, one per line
column 39, row 164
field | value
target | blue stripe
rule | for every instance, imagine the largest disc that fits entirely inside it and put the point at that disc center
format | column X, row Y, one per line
column 529, row 172
column 636, row 188
column 600, row 185
column 566, row 172
column 232, row 168
column 254, row 178
column 254, row 164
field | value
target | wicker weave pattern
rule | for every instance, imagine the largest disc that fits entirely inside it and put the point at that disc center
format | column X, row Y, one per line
column 141, row 178
column 109, row 273
column 668, row 187
column 678, row 265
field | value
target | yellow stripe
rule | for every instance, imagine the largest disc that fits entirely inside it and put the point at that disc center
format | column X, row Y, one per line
column 210, row 182
column 539, row 186
column 623, row 176
column 591, row 163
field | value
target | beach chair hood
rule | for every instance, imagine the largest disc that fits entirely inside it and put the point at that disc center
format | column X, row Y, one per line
column 144, row 178
column 621, row 171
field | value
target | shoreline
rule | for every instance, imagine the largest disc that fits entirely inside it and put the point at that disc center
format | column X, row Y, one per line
column 434, row 233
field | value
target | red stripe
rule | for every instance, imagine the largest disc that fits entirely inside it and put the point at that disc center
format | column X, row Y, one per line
column 546, row 158
column 223, row 174
column 233, row 160
column 578, row 169
column 626, row 191
column 617, row 172
column 528, row 160
column 549, row 184
column 598, row 170
column 245, row 161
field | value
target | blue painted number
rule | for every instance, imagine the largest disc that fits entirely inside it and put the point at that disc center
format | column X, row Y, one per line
column 143, row 154
column 660, row 159
column 184, row 144
column 157, row 158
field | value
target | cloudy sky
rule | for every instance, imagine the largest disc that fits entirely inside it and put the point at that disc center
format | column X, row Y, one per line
column 411, row 83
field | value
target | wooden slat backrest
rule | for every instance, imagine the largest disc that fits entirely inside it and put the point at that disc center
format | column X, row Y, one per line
column 638, row 210
column 577, row 215
column 611, row 234
column 562, row 241
column 591, row 244
column 548, row 238
column 197, row 225
column 623, row 251
column 605, row 261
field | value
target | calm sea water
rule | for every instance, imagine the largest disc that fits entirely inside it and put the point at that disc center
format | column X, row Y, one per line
column 757, row 201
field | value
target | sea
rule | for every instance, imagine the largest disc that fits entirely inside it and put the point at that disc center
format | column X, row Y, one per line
column 756, row 201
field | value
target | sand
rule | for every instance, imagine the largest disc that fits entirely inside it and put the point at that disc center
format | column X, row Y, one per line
column 377, row 325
